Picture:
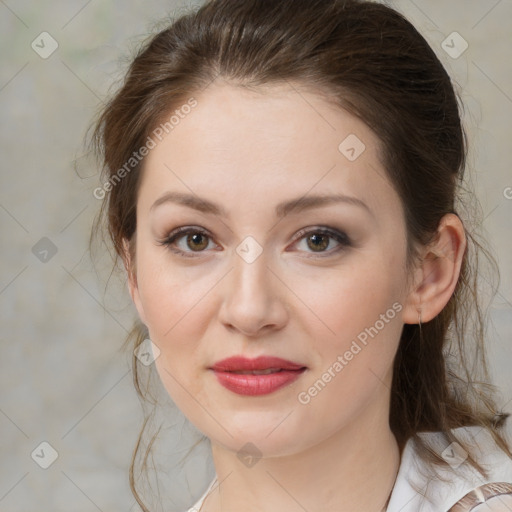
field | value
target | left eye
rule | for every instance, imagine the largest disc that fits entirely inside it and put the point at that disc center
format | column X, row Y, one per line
column 196, row 241
column 321, row 241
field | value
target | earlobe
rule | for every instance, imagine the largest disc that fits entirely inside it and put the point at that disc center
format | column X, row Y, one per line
column 439, row 272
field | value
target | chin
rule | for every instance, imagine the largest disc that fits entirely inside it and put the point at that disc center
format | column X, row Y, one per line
column 267, row 435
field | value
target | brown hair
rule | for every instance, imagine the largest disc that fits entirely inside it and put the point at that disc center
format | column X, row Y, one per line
column 375, row 64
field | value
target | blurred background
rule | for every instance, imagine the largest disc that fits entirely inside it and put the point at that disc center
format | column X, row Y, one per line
column 69, row 414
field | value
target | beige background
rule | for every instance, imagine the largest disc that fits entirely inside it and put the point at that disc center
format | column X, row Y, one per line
column 63, row 377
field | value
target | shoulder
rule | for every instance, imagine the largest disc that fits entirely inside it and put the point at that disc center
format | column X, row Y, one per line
column 421, row 488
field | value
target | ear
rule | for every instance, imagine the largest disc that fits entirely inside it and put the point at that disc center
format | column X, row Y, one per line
column 133, row 287
column 437, row 275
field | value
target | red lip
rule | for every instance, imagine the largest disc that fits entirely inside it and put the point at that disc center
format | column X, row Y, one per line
column 234, row 373
column 240, row 363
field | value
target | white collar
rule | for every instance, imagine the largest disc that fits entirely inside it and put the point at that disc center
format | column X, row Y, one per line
column 417, row 489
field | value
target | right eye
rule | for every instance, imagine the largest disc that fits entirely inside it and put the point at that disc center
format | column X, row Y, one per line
column 185, row 241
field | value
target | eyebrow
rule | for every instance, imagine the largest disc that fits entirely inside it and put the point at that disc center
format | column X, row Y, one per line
column 282, row 209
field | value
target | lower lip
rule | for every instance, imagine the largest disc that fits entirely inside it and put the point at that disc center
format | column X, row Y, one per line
column 254, row 385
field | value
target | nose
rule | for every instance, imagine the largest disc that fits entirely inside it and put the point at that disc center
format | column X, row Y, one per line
column 253, row 299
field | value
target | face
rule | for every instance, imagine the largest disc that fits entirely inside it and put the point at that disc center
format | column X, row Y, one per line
column 230, row 263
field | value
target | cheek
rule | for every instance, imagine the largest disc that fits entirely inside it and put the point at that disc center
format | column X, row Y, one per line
column 179, row 305
column 360, row 316
column 171, row 296
column 354, row 322
column 178, row 313
column 175, row 315
column 343, row 302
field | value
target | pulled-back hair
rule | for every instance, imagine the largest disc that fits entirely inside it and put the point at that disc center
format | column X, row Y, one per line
column 369, row 60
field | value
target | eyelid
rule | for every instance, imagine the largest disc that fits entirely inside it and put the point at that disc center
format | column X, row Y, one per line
column 324, row 230
column 179, row 232
column 341, row 237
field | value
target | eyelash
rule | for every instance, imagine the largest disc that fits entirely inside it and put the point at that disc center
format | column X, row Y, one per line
column 178, row 233
column 340, row 237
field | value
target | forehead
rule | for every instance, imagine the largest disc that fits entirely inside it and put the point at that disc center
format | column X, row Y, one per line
column 278, row 140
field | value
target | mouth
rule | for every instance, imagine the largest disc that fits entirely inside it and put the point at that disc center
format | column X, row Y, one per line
column 258, row 372
column 260, row 376
column 269, row 364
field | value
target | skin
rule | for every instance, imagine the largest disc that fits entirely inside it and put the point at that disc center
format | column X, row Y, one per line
column 248, row 151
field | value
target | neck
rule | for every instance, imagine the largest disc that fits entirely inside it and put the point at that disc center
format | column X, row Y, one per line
column 354, row 469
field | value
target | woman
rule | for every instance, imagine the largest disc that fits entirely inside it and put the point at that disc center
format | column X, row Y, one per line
column 283, row 180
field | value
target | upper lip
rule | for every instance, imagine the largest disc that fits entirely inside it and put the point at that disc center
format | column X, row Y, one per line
column 237, row 363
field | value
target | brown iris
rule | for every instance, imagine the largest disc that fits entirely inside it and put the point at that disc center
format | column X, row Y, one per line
column 197, row 241
column 318, row 242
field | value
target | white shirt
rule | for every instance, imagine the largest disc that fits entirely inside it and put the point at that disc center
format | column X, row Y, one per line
column 433, row 494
